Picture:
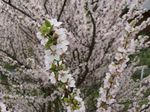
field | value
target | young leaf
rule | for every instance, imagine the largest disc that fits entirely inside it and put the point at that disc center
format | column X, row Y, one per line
column 48, row 24
column 45, row 28
column 49, row 43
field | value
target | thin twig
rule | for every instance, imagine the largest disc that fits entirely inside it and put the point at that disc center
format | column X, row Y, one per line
column 62, row 9
column 23, row 12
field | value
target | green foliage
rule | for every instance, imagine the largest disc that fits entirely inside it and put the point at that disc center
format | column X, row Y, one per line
column 55, row 68
column 137, row 74
column 126, row 104
column 57, row 105
column 91, row 94
column 144, row 56
column 144, row 59
column 147, row 92
column 73, row 101
column 46, row 28
column 9, row 67
column 49, row 43
column 3, row 77
column 144, row 101
column 47, row 32
column 4, row 80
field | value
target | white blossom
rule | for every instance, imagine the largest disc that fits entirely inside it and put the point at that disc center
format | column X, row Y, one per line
column 62, row 43
column 112, row 67
column 122, row 50
column 52, row 78
column 71, row 82
column 82, row 107
column 106, row 81
column 49, row 57
column 55, row 23
column 64, row 76
column 129, row 28
column 43, row 40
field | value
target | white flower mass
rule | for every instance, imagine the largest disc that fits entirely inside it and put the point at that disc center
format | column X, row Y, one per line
column 53, row 55
column 96, row 60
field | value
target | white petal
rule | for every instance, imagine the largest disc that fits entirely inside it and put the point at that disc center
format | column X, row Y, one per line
column 59, row 51
column 55, row 22
column 121, row 49
column 72, row 83
column 57, row 57
column 65, row 42
column 65, row 48
column 52, row 78
column 53, row 47
column 39, row 35
column 44, row 41
column 64, row 79
column 62, row 37
column 59, row 46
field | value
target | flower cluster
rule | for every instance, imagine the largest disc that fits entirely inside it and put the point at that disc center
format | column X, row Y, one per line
column 95, row 27
column 54, row 39
column 55, row 46
column 111, row 84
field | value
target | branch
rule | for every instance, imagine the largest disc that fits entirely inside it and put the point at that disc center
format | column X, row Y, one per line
column 45, row 6
column 14, row 58
column 62, row 9
column 23, row 12
column 81, row 79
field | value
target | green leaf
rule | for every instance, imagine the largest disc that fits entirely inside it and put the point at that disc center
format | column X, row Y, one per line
column 48, row 24
column 56, row 68
column 75, row 102
column 75, row 107
column 49, row 43
column 53, row 67
column 45, row 28
column 66, row 100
